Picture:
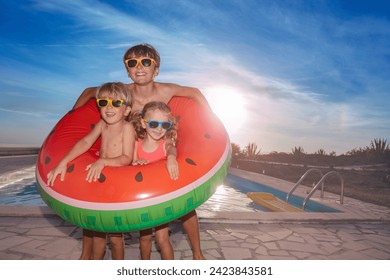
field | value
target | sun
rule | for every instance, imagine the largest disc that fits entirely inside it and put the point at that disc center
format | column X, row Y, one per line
column 229, row 106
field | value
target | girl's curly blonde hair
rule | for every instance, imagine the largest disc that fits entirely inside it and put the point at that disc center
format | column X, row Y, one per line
column 137, row 118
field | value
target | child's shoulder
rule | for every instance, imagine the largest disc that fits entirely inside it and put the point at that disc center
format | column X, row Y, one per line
column 168, row 89
column 128, row 125
column 166, row 86
column 90, row 90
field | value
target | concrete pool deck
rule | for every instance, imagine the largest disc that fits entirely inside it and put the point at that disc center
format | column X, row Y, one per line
column 361, row 232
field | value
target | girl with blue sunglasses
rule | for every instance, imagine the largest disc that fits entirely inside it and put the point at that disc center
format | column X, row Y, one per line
column 156, row 129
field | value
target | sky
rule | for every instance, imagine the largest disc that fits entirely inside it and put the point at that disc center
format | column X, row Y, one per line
column 281, row 74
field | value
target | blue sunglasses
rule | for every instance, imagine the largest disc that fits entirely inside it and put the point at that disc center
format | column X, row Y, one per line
column 155, row 124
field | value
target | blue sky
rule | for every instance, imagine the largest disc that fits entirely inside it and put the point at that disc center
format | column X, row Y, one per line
column 281, row 74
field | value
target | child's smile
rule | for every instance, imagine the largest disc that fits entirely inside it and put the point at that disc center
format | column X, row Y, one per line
column 113, row 114
column 158, row 132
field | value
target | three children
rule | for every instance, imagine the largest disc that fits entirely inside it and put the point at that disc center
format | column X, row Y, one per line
column 142, row 64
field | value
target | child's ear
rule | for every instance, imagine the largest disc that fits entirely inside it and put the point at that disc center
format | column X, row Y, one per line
column 156, row 71
column 143, row 124
column 127, row 111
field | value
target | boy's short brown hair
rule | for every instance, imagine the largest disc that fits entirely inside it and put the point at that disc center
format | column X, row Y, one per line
column 117, row 90
column 142, row 50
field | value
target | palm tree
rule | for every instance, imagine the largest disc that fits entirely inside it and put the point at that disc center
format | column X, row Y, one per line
column 379, row 147
column 298, row 153
column 251, row 152
column 320, row 152
column 236, row 150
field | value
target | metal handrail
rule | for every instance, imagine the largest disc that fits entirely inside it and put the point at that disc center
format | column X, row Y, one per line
column 322, row 188
column 301, row 179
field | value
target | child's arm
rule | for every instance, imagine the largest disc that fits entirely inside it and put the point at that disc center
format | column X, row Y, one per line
column 128, row 140
column 189, row 92
column 83, row 145
column 85, row 96
column 172, row 165
column 135, row 151
column 136, row 160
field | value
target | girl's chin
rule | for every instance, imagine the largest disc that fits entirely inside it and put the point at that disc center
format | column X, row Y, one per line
column 156, row 137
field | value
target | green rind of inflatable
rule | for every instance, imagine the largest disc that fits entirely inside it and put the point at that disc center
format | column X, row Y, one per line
column 139, row 218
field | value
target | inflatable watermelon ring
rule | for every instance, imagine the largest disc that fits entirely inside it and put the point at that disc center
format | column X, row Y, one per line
column 130, row 198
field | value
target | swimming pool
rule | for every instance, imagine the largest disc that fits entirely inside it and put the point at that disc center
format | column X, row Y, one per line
column 245, row 186
column 21, row 189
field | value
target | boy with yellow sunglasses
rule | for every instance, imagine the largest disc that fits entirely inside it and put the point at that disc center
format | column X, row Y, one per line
column 114, row 101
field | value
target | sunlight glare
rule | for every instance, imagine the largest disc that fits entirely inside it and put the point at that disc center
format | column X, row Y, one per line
column 228, row 105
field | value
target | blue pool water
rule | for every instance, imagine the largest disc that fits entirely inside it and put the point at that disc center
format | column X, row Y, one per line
column 22, row 192
column 248, row 186
column 231, row 196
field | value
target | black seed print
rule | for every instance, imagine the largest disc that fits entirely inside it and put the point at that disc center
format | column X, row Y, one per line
column 51, row 132
column 139, row 177
column 207, row 136
column 190, row 161
column 47, row 160
column 102, row 178
column 92, row 125
column 70, row 168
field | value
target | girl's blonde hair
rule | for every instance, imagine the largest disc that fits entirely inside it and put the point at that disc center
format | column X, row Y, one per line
column 115, row 89
column 151, row 106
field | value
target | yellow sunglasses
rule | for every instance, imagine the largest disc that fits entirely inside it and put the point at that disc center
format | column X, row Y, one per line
column 103, row 102
column 145, row 61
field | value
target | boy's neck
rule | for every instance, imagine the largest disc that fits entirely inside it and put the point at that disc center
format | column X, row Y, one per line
column 141, row 91
column 142, row 94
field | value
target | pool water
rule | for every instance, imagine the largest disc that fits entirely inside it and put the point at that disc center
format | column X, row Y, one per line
column 248, row 186
column 21, row 189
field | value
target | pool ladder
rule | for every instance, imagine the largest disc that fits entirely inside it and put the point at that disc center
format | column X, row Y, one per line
column 315, row 187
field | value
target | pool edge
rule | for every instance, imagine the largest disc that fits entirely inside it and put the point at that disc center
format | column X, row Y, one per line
column 224, row 217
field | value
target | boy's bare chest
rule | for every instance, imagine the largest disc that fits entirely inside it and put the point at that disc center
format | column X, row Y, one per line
column 111, row 145
column 140, row 101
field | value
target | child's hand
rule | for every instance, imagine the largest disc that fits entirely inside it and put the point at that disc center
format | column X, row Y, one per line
column 51, row 176
column 173, row 167
column 140, row 161
column 94, row 170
